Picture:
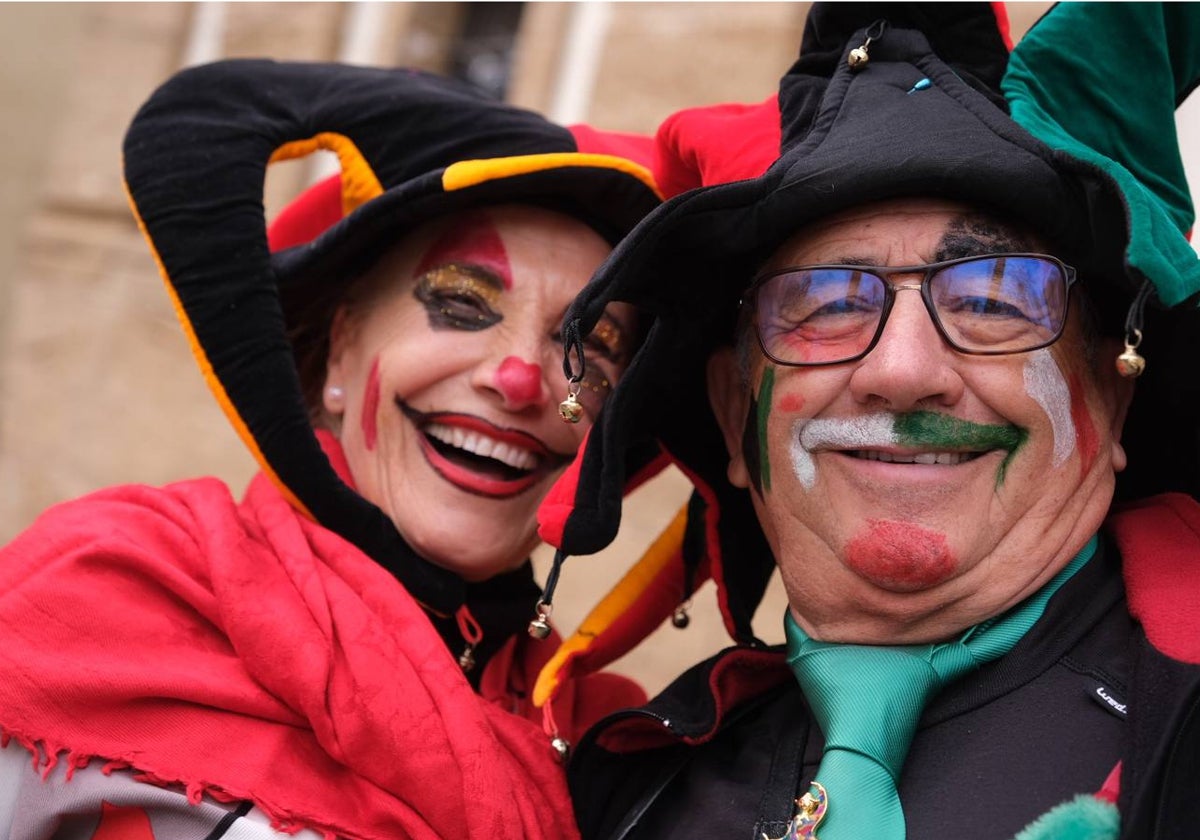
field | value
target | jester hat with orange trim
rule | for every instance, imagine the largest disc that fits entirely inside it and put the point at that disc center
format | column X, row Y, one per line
column 412, row 146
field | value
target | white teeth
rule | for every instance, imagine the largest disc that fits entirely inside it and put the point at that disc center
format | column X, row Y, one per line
column 947, row 459
column 483, row 446
column 480, row 445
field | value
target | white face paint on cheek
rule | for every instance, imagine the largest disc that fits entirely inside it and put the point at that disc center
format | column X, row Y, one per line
column 1044, row 382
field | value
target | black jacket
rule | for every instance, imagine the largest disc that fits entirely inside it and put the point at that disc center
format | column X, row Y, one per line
column 725, row 750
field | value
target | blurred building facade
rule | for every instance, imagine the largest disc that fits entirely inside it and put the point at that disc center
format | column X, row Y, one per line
column 96, row 381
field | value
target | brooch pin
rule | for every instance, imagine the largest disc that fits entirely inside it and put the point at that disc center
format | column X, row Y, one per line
column 810, row 810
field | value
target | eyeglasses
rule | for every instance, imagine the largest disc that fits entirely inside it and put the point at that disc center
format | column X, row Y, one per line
column 984, row 305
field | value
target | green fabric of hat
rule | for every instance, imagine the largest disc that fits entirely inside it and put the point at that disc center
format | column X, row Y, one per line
column 1101, row 82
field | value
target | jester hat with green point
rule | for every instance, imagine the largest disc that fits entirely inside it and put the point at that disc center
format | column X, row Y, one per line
column 924, row 117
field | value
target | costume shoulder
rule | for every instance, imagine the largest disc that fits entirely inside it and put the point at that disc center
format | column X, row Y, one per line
column 1159, row 540
column 133, row 517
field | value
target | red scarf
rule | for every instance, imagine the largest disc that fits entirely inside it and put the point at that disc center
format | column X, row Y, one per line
column 247, row 653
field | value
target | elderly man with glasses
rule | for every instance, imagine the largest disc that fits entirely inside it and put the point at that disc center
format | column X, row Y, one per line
column 899, row 365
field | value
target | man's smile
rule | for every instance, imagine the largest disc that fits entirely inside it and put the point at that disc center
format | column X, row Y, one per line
column 922, row 438
column 932, row 458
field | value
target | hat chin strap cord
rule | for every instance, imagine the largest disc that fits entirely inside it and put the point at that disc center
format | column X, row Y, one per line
column 539, row 628
column 570, row 409
column 1130, row 363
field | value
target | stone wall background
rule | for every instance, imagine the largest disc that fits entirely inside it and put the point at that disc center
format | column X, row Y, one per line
column 97, row 386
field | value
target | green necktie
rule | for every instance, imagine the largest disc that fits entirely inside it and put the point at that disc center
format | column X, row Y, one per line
column 867, row 701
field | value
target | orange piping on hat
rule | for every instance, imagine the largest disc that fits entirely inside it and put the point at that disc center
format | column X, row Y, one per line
column 659, row 556
column 468, row 173
column 210, row 378
column 359, row 182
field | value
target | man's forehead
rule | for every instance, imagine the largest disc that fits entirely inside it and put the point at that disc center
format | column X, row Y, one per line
column 903, row 231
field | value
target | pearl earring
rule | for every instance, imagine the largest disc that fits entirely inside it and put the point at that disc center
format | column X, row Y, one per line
column 335, row 392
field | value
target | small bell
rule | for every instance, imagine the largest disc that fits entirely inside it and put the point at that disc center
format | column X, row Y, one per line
column 1131, row 363
column 562, row 749
column 539, row 628
column 570, row 409
column 680, row 617
column 859, row 58
column 466, row 659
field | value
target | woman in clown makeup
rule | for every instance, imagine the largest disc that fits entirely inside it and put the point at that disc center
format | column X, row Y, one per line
column 342, row 652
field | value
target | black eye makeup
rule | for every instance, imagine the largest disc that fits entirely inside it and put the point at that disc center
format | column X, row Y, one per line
column 460, row 297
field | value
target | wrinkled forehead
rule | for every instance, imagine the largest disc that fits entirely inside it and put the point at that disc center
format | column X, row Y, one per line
column 904, row 231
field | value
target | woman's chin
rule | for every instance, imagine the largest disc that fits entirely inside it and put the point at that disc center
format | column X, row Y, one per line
column 477, row 557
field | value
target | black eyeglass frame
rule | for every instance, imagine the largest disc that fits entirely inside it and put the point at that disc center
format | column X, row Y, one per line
column 889, row 296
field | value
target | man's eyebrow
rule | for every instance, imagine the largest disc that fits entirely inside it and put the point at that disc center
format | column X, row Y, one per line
column 972, row 235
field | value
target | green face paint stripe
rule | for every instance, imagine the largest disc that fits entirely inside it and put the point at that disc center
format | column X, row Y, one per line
column 927, row 428
column 1008, row 458
column 766, row 387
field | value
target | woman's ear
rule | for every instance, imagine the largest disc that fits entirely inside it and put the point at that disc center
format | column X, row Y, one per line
column 728, row 394
column 333, row 391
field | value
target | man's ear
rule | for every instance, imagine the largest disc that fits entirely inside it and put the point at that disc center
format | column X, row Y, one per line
column 729, row 396
column 1118, row 394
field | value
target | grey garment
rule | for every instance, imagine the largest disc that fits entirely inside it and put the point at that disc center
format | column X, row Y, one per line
column 55, row 808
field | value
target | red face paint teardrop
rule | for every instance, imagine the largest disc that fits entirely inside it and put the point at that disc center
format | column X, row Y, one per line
column 370, row 407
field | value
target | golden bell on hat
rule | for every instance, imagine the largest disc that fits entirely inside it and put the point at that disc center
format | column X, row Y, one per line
column 570, row 409
column 1131, row 363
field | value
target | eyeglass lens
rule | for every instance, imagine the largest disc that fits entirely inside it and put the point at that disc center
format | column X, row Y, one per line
column 992, row 304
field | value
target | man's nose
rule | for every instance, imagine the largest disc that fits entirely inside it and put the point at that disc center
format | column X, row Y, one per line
column 911, row 366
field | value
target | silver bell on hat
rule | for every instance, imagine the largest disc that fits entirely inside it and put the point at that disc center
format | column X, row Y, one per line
column 539, row 628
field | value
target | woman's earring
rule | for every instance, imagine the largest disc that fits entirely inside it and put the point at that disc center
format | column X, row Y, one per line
column 335, row 392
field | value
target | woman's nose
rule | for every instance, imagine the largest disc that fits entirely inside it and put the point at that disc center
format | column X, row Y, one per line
column 520, row 383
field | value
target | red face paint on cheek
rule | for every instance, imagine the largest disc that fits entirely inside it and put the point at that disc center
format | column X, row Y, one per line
column 791, row 403
column 370, row 407
column 900, row 556
column 1087, row 441
column 473, row 239
column 519, row 381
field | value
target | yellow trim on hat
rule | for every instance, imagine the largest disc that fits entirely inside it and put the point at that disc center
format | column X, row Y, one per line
column 210, row 377
column 468, row 173
column 359, row 182
column 636, row 581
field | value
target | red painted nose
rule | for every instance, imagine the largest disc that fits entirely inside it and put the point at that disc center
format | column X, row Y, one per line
column 519, row 382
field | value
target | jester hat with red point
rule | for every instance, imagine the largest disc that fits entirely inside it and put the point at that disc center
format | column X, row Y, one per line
column 411, row 146
column 923, row 117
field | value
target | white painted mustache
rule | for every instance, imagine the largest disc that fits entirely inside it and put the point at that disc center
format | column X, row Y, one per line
column 866, row 432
